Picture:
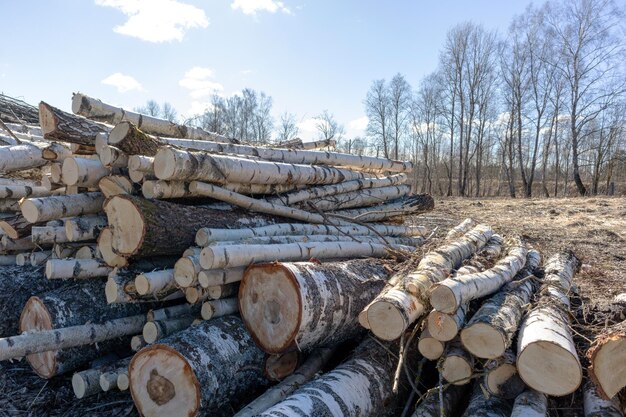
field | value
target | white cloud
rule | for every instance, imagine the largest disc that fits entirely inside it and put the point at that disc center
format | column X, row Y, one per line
column 197, row 81
column 122, row 82
column 157, row 20
column 199, row 107
column 358, row 124
column 246, row 72
column 307, row 129
column 250, row 7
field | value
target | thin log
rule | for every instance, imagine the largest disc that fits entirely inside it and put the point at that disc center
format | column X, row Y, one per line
column 16, row 226
column 360, row 198
column 530, row 403
column 186, row 271
column 37, row 210
column 462, row 228
column 137, row 343
column 596, row 406
column 59, row 125
column 83, row 172
column 217, row 308
column 411, row 205
column 13, row 110
column 428, row 346
column 158, row 329
column 56, row 151
column 16, row 245
column 481, row 405
column 42, row 235
column 490, row 331
column 545, row 338
column 336, row 292
column 445, row 327
column 431, row 406
column 24, row 191
column 84, row 228
column 20, row 157
column 172, row 312
column 112, row 157
column 212, row 277
column 116, row 184
column 76, row 268
column 88, row 252
column 201, row 369
column 501, row 377
column 457, row 365
column 157, row 284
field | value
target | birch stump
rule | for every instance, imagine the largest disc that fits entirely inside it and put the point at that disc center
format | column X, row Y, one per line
column 68, row 306
column 289, row 306
column 201, row 369
column 547, row 360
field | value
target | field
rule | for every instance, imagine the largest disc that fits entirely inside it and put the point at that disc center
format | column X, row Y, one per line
column 595, row 228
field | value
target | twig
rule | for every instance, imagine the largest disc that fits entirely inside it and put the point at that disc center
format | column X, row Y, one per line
column 5, row 127
column 401, row 355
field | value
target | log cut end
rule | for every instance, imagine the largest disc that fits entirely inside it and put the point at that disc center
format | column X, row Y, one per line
column 70, row 171
column 442, row 326
column 30, row 211
column 443, row 299
column 504, row 381
column 47, row 119
column 386, row 321
column 119, row 132
column 549, row 368
column 607, row 358
column 79, row 385
column 105, row 247
column 279, row 367
column 456, row 370
column 270, row 306
column 162, row 383
column 35, row 316
column 483, row 341
column 122, row 381
column 128, row 223
column 165, row 163
column 429, row 347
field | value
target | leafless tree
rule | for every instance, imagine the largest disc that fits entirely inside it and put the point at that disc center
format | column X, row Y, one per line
column 287, row 128
column 328, row 127
column 378, row 110
column 399, row 106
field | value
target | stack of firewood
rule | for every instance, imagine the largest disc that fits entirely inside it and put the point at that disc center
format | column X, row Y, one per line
column 195, row 271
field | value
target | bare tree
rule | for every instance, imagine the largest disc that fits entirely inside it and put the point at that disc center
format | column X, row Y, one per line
column 287, row 128
column 328, row 127
column 399, row 100
column 377, row 109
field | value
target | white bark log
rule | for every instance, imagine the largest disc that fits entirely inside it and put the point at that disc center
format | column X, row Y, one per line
column 112, row 157
column 7, row 260
column 86, row 383
column 101, row 141
column 457, row 365
column 88, row 252
column 360, row 198
column 428, row 346
column 20, row 157
column 335, row 189
column 212, row 277
column 115, row 185
column 415, row 204
column 84, row 228
column 173, row 164
column 105, row 248
column 207, row 235
column 39, row 258
column 47, row 235
column 530, row 403
column 186, row 271
column 170, row 312
column 547, row 360
column 37, row 210
column 156, row 283
column 462, row 228
column 83, row 172
column 596, row 406
column 273, row 240
column 23, row 191
column 141, row 163
column 313, row 364
column 158, row 329
column 451, row 293
column 501, row 377
column 56, row 151
column 16, row 245
column 76, row 268
column 137, row 343
column 217, row 308
column 483, row 406
column 445, row 327
column 242, row 255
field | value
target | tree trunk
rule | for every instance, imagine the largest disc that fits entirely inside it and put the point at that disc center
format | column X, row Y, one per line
column 47, row 235
column 221, row 307
column 314, row 363
column 327, row 298
column 137, row 225
column 37, row 210
column 16, row 111
column 212, row 277
column 76, row 268
column 213, row 257
column 65, row 127
column 545, row 338
column 83, row 172
column 491, row 330
column 482, row 406
column 341, row 188
column 596, row 406
column 205, row 236
column 84, row 228
column 20, row 157
column 449, row 294
column 411, row 205
column 457, row 365
column 159, row 329
column 391, row 313
column 501, row 378
column 607, row 358
column 16, row 226
column 530, row 403
column 203, row 369
column 360, row 198
column 75, row 305
column 447, row 404
column 174, row 164
column 97, row 110
column 24, row 191
column 360, row 386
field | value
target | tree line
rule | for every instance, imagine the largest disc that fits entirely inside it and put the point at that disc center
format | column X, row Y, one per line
column 537, row 111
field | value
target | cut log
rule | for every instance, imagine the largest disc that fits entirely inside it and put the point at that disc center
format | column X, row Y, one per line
column 195, row 295
column 213, row 257
column 158, row 329
column 178, row 189
column 279, row 366
column 360, row 386
column 123, row 381
column 22, row 259
column 174, row 164
column 462, row 228
column 56, row 152
column 105, row 247
column 530, row 403
column 186, row 271
column 280, row 155
column 37, row 210
column 360, row 198
column 110, row 374
column 172, row 312
column 448, row 295
column 86, row 383
column 13, row 110
column 275, row 240
column 483, row 406
column 297, row 143
column 491, row 330
column 596, row 406
column 217, row 308
column 60, row 310
column 76, row 268
column 116, row 184
column 546, row 355
column 334, row 189
column 446, row 403
column 59, row 125
column 6, row 260
column 9, row 205
column 97, row 110
column 299, row 305
column 20, row 157
column 24, row 191
column 607, row 357
column 137, row 343
column 201, row 369
column 112, row 157
column 141, row 163
column 121, row 288
column 84, row 228
column 212, row 277
column 47, row 235
column 39, row 258
column 66, row 250
column 445, row 327
column 216, row 292
column 428, row 346
column 137, row 225
column 391, row 313
column 411, row 205
column 157, row 284
column 16, row 245
column 457, row 365
column 83, row 172
column 16, row 226
column 88, row 252
column 501, row 377
column 313, row 364
column 207, row 235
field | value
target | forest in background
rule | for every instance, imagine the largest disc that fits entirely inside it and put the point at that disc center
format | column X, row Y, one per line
column 537, row 111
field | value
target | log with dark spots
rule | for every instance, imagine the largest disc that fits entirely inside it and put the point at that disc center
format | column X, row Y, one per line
column 59, row 125
column 16, row 111
column 481, row 406
column 82, row 303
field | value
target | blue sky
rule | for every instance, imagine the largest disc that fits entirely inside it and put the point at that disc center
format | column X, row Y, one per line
column 308, row 55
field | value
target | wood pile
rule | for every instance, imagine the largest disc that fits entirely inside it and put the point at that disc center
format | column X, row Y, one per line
column 210, row 277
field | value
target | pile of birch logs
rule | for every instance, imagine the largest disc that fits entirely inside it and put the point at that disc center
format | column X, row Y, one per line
column 208, row 277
